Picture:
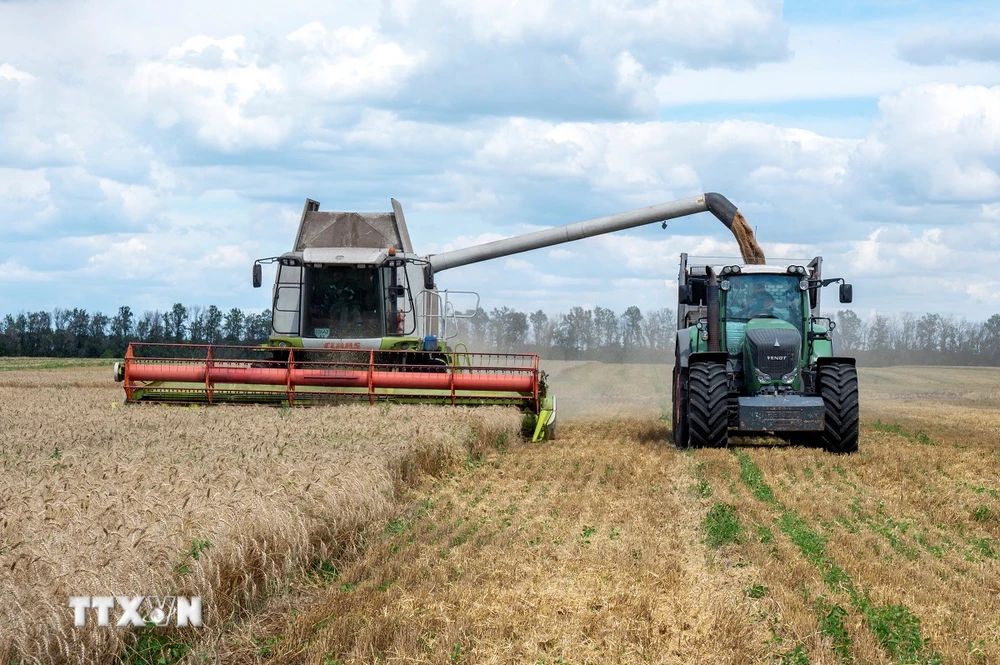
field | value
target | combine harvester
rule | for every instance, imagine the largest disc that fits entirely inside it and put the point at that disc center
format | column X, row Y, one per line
column 356, row 315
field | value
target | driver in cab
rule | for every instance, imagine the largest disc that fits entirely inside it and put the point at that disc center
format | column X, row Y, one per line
column 760, row 302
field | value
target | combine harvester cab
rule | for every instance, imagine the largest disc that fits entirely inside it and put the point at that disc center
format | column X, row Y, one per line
column 755, row 356
column 356, row 315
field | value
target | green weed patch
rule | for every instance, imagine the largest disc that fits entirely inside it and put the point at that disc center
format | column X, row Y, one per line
column 721, row 525
column 919, row 436
column 894, row 626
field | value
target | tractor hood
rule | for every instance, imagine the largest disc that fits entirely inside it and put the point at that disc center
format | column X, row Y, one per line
column 767, row 323
column 772, row 349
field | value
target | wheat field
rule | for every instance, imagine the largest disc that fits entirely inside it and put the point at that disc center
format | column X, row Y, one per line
column 225, row 502
column 420, row 534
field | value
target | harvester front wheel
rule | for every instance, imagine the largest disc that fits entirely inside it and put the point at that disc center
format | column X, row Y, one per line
column 838, row 386
column 708, row 408
column 679, row 415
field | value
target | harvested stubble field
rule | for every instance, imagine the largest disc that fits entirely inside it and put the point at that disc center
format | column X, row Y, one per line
column 353, row 534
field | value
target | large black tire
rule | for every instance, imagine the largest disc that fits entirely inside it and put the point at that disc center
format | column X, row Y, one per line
column 838, row 386
column 708, row 407
column 680, row 400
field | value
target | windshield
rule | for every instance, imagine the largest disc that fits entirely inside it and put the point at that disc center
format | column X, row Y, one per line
column 343, row 302
column 764, row 296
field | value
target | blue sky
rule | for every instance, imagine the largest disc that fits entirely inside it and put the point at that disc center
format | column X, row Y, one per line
column 149, row 152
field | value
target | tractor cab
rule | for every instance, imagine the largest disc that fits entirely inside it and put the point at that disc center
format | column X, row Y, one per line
column 764, row 313
column 759, row 299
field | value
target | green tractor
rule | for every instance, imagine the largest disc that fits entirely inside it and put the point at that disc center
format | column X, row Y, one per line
column 754, row 356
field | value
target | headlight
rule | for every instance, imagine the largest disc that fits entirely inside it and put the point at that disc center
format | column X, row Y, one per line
column 803, row 284
column 789, row 378
column 724, row 285
column 761, row 377
column 704, row 335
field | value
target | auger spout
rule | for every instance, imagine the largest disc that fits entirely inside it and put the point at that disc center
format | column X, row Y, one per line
column 717, row 204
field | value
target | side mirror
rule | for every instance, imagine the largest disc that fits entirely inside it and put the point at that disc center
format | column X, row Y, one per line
column 684, row 294
column 258, row 278
column 846, row 293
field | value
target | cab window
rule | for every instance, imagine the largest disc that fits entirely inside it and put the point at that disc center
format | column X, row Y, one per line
column 764, row 296
column 343, row 302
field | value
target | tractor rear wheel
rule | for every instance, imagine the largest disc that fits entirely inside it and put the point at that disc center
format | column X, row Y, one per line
column 838, row 386
column 680, row 400
column 708, row 407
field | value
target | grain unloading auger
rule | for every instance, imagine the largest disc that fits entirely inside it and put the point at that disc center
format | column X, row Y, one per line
column 356, row 315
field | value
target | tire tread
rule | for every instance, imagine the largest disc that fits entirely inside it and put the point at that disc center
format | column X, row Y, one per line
column 838, row 386
column 708, row 409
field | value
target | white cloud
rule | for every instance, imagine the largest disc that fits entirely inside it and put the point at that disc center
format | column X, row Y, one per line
column 851, row 60
column 560, row 254
column 240, row 95
column 13, row 270
column 351, row 63
column 539, row 277
column 219, row 98
column 951, row 46
column 461, row 242
column 227, row 256
column 25, row 200
column 135, row 201
column 724, row 30
column 474, row 199
column 935, row 141
column 665, row 158
column 23, row 185
column 984, row 291
column 12, row 73
column 230, row 49
column 162, row 176
column 129, row 258
column 895, row 250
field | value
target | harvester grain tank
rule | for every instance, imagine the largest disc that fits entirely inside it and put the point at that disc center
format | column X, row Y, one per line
column 755, row 355
column 356, row 314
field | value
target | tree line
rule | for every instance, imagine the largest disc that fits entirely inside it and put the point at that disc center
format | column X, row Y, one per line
column 930, row 339
column 601, row 334
column 580, row 334
column 77, row 333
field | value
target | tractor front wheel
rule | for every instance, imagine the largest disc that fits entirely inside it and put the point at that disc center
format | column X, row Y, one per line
column 838, row 386
column 708, row 408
